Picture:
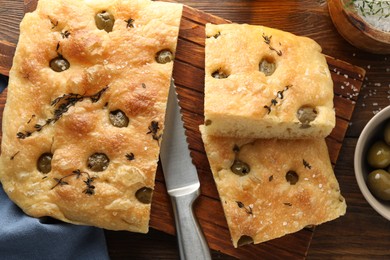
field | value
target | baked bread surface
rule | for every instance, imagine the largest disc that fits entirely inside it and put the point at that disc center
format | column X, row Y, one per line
column 69, row 115
column 289, row 185
column 259, row 82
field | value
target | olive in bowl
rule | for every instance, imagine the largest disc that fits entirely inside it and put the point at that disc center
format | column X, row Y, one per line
column 372, row 162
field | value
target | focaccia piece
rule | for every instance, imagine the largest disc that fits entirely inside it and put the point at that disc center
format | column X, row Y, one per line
column 272, row 187
column 265, row 83
column 85, row 110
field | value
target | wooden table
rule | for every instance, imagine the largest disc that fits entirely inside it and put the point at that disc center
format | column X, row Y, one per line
column 361, row 233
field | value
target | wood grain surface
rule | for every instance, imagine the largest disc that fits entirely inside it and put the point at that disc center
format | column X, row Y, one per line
column 362, row 233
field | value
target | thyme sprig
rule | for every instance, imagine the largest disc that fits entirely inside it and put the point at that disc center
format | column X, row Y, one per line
column 89, row 190
column 62, row 105
column 279, row 96
column 267, row 40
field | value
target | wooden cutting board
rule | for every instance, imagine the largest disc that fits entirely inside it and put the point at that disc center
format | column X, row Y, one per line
column 189, row 78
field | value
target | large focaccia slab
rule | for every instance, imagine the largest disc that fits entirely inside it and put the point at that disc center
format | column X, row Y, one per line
column 263, row 83
column 85, row 110
column 272, row 187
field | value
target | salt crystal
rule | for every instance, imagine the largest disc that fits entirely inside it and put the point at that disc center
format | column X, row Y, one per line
column 375, row 104
column 345, row 76
column 368, row 66
column 284, row 223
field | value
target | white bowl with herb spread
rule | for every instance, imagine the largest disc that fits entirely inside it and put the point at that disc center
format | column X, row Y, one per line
column 363, row 23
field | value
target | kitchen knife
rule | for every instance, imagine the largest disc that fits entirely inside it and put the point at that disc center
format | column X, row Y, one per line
column 182, row 182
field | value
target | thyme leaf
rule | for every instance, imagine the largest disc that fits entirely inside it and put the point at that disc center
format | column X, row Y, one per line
column 153, row 130
column 248, row 209
column 13, row 156
column 129, row 23
column 130, row 156
column 65, row 34
column 306, row 164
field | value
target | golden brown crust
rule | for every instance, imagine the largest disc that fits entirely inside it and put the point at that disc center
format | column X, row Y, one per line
column 250, row 103
column 108, row 71
column 263, row 204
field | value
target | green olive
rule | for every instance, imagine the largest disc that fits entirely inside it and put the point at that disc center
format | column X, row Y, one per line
column 144, row 195
column 164, row 56
column 219, row 74
column 306, row 115
column 378, row 182
column 44, row 163
column 268, row 68
column 292, row 177
column 119, row 119
column 244, row 240
column 104, row 21
column 386, row 133
column 98, row 162
column 240, row 168
column 59, row 64
column 378, row 155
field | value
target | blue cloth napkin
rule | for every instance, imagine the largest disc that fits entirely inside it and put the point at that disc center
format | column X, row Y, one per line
column 24, row 237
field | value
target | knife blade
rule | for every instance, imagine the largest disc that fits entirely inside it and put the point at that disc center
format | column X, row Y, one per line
column 181, row 179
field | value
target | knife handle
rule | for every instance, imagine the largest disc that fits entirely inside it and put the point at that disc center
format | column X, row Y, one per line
column 192, row 243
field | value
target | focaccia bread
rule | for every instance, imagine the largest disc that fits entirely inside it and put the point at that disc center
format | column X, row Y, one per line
column 85, row 110
column 265, row 83
column 272, row 187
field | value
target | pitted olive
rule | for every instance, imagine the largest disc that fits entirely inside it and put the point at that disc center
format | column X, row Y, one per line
column 267, row 67
column 118, row 118
column 59, row 64
column 104, row 21
column 98, row 162
column 306, row 115
column 244, row 240
column 144, row 195
column 292, row 177
column 240, row 168
column 219, row 74
column 164, row 56
column 44, row 163
column 378, row 155
column 378, row 182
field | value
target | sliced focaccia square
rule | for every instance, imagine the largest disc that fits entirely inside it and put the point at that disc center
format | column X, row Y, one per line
column 85, row 110
column 272, row 187
column 265, row 83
